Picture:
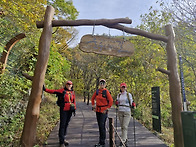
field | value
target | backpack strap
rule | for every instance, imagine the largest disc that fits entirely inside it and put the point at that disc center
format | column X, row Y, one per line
column 119, row 95
column 103, row 93
column 97, row 91
column 129, row 99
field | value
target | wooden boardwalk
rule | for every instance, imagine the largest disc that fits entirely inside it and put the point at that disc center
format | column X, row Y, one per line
column 83, row 131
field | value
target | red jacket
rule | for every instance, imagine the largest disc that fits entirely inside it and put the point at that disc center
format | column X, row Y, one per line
column 102, row 103
column 69, row 97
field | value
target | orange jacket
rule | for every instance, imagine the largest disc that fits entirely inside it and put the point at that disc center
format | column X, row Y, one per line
column 102, row 103
column 69, row 97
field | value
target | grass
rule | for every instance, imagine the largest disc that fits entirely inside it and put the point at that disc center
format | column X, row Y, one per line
column 49, row 116
column 166, row 135
column 11, row 131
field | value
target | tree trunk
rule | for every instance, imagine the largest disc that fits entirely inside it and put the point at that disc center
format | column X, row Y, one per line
column 88, row 101
column 84, row 93
column 8, row 47
column 33, row 108
column 174, row 87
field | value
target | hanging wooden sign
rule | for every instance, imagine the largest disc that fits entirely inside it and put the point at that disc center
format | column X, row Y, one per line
column 106, row 45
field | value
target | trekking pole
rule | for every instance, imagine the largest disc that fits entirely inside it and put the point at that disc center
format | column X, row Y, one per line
column 116, row 124
column 134, row 136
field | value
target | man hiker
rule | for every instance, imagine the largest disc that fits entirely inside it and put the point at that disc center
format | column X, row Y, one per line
column 103, row 103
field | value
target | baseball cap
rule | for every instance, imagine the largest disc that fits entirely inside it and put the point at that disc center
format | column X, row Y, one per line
column 123, row 84
column 102, row 80
column 69, row 82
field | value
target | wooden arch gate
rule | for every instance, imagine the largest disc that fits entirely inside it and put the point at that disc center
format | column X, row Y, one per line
column 33, row 108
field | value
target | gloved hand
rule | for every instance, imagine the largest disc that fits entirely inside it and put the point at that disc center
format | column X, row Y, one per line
column 74, row 112
column 117, row 103
column 133, row 105
column 44, row 89
column 93, row 108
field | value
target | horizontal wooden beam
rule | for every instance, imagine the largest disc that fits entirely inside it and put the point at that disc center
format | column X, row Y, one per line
column 138, row 32
column 110, row 23
column 85, row 22
column 163, row 70
column 27, row 76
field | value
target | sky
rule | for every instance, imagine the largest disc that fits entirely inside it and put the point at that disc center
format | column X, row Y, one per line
column 110, row 9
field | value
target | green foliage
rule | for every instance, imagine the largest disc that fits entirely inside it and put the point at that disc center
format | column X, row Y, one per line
column 57, row 70
column 49, row 116
column 20, row 17
column 10, row 131
column 12, row 85
column 13, row 92
column 23, row 13
column 64, row 9
column 1, row 49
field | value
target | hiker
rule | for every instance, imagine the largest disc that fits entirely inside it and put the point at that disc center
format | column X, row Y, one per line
column 103, row 102
column 67, row 103
column 124, row 102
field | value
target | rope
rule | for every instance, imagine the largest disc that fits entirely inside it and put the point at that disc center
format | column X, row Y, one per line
column 118, row 136
column 112, row 139
column 123, row 144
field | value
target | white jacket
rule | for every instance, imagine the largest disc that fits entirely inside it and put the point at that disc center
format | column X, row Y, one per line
column 123, row 101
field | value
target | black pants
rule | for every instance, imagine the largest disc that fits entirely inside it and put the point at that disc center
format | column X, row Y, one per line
column 101, row 120
column 65, row 117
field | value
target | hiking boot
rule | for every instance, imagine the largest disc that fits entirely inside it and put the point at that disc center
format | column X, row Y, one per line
column 126, row 144
column 61, row 145
column 66, row 143
column 99, row 145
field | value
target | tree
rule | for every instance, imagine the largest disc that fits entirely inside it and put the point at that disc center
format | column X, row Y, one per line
column 183, row 16
column 32, row 113
column 183, row 11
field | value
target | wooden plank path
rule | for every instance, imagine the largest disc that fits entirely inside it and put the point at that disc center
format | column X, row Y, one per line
column 83, row 131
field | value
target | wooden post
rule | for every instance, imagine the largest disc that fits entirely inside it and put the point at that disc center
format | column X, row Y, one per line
column 174, row 87
column 111, row 133
column 33, row 108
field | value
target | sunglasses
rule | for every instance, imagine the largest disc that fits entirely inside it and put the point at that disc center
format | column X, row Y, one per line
column 102, row 83
column 123, row 87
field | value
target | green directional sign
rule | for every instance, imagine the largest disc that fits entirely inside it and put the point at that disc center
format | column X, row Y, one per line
column 156, row 113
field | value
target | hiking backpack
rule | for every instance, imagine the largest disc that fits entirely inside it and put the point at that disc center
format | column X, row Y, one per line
column 104, row 94
column 60, row 98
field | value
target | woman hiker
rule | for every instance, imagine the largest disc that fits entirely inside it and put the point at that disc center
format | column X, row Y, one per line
column 67, row 103
column 125, row 103
column 103, row 103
